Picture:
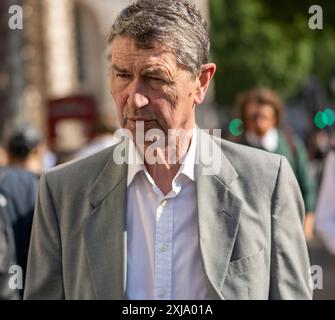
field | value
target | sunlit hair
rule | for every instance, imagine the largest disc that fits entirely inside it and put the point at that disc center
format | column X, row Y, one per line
column 176, row 24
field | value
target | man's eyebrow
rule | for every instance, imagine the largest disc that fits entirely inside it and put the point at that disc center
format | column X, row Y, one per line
column 157, row 72
column 119, row 69
column 152, row 71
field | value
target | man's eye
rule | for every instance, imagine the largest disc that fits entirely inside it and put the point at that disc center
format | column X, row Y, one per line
column 155, row 79
column 123, row 75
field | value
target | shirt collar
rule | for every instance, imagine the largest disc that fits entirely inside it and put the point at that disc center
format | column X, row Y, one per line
column 187, row 167
column 136, row 164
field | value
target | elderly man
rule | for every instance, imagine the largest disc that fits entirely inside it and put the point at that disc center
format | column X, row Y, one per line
column 194, row 224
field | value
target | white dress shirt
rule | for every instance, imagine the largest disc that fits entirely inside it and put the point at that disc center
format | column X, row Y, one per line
column 163, row 253
column 325, row 209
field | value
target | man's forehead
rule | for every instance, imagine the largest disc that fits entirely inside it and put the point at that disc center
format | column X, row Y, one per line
column 131, row 43
column 125, row 50
column 145, row 68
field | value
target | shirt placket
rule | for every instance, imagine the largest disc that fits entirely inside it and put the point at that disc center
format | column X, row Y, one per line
column 163, row 250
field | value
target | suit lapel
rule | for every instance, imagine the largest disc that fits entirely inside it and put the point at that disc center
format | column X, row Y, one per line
column 218, row 212
column 104, row 232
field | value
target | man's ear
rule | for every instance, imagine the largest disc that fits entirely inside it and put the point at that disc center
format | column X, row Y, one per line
column 205, row 76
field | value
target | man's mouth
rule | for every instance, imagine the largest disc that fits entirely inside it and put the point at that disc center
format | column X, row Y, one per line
column 139, row 119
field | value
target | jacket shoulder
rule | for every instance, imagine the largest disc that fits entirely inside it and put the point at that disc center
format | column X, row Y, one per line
column 238, row 153
column 256, row 168
column 83, row 170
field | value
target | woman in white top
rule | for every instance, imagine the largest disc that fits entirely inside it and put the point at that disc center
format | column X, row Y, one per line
column 325, row 210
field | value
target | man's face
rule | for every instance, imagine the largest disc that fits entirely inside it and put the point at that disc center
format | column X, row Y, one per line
column 260, row 118
column 147, row 85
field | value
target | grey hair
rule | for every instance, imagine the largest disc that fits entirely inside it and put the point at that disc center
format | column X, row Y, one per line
column 176, row 24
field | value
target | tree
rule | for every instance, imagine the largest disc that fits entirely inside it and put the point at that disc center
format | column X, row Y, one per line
column 258, row 42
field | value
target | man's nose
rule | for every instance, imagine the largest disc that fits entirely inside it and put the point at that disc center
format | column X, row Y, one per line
column 137, row 97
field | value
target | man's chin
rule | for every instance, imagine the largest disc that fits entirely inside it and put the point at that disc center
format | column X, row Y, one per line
column 142, row 126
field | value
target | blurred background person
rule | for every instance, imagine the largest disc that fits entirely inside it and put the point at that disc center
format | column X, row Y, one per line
column 19, row 185
column 3, row 156
column 26, row 149
column 261, row 111
column 103, row 132
column 325, row 210
column 318, row 146
column 7, row 253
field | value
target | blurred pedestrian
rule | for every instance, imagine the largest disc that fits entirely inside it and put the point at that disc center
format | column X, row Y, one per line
column 318, row 146
column 19, row 185
column 7, row 253
column 325, row 210
column 261, row 111
column 3, row 156
column 26, row 149
column 103, row 131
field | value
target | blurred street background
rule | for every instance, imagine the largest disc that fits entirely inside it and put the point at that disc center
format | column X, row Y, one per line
column 54, row 78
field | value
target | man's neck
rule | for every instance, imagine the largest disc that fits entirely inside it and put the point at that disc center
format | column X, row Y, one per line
column 164, row 171
column 163, row 175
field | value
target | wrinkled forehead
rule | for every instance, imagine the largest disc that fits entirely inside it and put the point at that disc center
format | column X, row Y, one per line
column 123, row 46
column 125, row 53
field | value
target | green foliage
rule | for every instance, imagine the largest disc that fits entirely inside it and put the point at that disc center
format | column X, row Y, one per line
column 324, row 57
column 255, row 44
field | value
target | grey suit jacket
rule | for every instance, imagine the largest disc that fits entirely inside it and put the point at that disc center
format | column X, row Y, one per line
column 250, row 215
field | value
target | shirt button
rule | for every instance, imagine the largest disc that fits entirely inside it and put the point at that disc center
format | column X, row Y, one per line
column 164, row 203
column 162, row 293
column 162, row 248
